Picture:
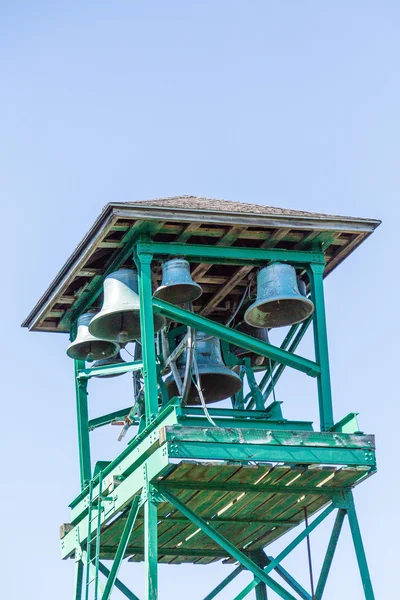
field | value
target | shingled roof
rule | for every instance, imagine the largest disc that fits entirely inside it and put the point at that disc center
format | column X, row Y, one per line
column 216, row 205
column 190, row 220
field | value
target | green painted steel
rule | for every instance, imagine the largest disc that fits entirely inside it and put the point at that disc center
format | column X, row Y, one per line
column 147, row 327
column 330, row 552
column 316, row 273
column 230, row 254
column 123, row 543
column 150, row 547
column 242, row 558
column 82, row 425
column 236, row 337
column 78, row 583
column 110, row 369
column 291, row 581
column 224, row 583
column 275, row 562
column 118, row 583
column 169, row 432
column 359, row 548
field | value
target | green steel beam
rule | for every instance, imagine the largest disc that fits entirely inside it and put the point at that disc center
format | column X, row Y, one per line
column 110, row 369
column 224, row 583
column 118, row 583
column 359, row 548
column 316, row 273
column 242, row 558
column 230, row 254
column 266, row 424
column 78, row 583
column 247, row 488
column 117, row 415
column 235, row 337
column 150, row 547
column 147, row 337
column 83, row 426
column 337, row 527
column 295, row 585
column 123, row 543
column 275, row 562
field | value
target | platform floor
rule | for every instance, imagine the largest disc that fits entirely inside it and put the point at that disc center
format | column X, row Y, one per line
column 249, row 519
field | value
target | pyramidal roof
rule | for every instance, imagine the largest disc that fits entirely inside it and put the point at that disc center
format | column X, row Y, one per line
column 200, row 203
column 188, row 220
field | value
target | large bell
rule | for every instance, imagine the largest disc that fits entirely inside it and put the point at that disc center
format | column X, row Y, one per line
column 86, row 346
column 261, row 334
column 217, row 382
column 119, row 318
column 177, row 285
column 113, row 360
column 279, row 302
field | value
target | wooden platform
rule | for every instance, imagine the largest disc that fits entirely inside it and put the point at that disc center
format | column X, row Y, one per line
column 250, row 505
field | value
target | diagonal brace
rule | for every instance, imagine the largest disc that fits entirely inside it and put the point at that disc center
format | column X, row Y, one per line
column 238, row 338
column 337, row 527
column 228, row 547
column 123, row 543
column 224, row 583
column 275, row 562
column 118, row 583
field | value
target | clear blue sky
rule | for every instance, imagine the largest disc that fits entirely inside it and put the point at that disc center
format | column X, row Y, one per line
column 292, row 104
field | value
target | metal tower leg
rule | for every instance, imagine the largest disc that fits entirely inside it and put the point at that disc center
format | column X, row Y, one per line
column 150, row 548
column 359, row 548
column 78, row 584
column 330, row 553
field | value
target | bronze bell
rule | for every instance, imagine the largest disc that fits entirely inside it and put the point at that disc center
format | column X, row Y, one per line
column 119, row 318
column 261, row 334
column 217, row 381
column 87, row 347
column 279, row 302
column 177, row 285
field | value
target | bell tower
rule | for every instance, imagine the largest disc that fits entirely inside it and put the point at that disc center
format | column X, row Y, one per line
column 212, row 467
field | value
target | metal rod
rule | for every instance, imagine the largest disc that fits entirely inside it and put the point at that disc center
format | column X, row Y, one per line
column 359, row 548
column 83, row 426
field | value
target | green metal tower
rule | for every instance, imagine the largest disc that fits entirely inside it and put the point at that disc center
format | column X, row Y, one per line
column 196, row 483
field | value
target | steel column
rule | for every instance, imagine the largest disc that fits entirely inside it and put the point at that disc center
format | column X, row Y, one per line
column 147, row 329
column 123, row 543
column 321, row 347
column 359, row 548
column 83, row 425
column 150, row 548
column 330, row 553
column 78, row 583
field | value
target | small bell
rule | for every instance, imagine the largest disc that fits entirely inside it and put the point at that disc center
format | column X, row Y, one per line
column 87, row 347
column 279, row 302
column 217, row 381
column 119, row 318
column 177, row 285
